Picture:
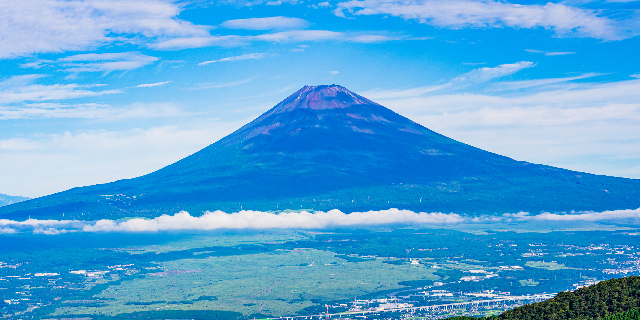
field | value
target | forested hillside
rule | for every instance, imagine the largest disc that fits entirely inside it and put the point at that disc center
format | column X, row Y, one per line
column 615, row 299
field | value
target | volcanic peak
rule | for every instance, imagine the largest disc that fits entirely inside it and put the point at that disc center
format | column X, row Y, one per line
column 320, row 98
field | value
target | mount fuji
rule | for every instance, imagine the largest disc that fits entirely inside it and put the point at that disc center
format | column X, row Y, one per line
column 325, row 147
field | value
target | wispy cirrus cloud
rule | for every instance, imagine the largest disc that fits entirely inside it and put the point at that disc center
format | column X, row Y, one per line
column 516, row 85
column 475, row 76
column 40, row 26
column 224, row 85
column 564, row 20
column 23, row 88
column 96, row 62
column 300, row 35
column 106, row 62
column 269, row 23
column 150, row 85
column 250, row 56
column 87, row 111
column 550, row 53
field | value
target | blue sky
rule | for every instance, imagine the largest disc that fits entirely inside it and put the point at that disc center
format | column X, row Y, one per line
column 95, row 91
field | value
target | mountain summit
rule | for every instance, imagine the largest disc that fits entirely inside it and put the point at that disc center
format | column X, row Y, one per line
column 325, row 147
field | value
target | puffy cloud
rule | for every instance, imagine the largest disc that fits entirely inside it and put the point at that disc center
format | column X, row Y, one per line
column 8, row 231
column 266, row 220
column 39, row 26
column 564, row 20
column 269, row 23
column 249, row 56
column 22, row 88
column 294, row 220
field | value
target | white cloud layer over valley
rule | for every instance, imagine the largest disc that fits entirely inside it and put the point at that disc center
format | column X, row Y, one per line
column 247, row 219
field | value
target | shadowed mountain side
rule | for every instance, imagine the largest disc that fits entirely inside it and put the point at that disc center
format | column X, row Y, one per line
column 324, row 148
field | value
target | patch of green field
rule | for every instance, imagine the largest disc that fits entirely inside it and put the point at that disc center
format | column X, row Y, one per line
column 546, row 265
column 221, row 240
column 277, row 283
column 528, row 283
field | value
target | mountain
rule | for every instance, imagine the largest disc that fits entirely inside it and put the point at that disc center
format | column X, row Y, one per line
column 6, row 200
column 610, row 300
column 325, row 147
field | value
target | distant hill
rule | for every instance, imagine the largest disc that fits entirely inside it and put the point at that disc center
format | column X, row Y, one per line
column 324, row 148
column 615, row 299
column 6, row 200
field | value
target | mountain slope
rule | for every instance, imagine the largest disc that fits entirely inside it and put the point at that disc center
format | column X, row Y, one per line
column 325, row 147
column 6, row 200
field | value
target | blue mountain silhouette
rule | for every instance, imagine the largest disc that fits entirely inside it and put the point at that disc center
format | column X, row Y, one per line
column 325, row 147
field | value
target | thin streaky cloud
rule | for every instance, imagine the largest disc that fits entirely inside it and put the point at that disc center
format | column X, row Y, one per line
column 249, row 56
column 564, row 20
column 487, row 73
column 22, row 88
column 225, row 85
column 300, row 35
column 149, row 85
column 269, row 23
column 515, row 85
column 475, row 76
column 550, row 53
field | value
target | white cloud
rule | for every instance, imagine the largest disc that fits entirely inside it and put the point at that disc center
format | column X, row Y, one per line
column 96, row 62
column 547, row 53
column 637, row 75
column 269, row 23
column 588, row 216
column 198, row 42
column 86, row 111
column 515, row 85
column 564, row 20
column 472, row 77
column 224, row 85
column 8, row 231
column 249, row 56
column 300, row 35
column 247, row 219
column 21, row 88
column 39, row 26
column 486, row 74
column 265, row 220
column 89, row 157
column 589, row 127
column 150, row 85
column 373, row 38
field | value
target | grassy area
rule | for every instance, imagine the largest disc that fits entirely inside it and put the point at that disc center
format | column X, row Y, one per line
column 278, row 283
column 546, row 265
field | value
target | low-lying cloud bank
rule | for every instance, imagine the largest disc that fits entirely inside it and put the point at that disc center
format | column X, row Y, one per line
column 292, row 220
